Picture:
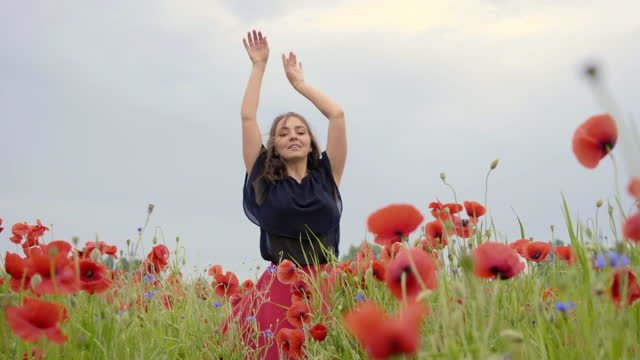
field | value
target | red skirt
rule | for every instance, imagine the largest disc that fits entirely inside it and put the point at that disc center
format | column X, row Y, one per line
column 262, row 312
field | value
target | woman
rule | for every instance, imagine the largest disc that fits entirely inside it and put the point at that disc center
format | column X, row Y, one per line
column 291, row 192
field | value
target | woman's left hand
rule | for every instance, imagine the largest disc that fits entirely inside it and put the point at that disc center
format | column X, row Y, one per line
column 293, row 70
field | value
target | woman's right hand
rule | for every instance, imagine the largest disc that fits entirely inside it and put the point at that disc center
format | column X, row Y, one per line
column 257, row 47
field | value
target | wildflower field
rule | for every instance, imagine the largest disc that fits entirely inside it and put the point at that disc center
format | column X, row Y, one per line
column 437, row 283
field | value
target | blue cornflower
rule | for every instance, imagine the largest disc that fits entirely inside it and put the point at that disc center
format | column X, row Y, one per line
column 120, row 312
column 139, row 229
column 251, row 318
column 217, row 304
column 271, row 268
column 267, row 333
column 617, row 260
column 564, row 306
column 360, row 297
column 149, row 294
column 148, row 277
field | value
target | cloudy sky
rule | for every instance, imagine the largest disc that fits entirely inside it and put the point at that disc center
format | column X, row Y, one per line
column 106, row 107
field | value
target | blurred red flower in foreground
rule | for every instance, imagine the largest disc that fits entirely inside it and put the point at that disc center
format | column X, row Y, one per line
column 382, row 337
column 37, row 318
column 419, row 273
column 537, row 251
column 495, row 260
column 631, row 228
column 633, row 188
column 391, row 223
column 566, row 253
column 620, row 277
column 594, row 139
column 290, row 341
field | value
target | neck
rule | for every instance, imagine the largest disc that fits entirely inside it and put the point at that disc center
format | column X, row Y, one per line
column 297, row 169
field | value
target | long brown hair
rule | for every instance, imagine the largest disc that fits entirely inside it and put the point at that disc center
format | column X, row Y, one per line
column 275, row 169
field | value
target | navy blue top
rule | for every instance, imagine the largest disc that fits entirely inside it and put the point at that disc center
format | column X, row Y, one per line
column 293, row 211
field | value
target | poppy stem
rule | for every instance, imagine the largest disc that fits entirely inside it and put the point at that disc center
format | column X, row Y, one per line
column 616, row 181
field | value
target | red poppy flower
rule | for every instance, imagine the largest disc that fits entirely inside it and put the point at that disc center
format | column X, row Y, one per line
column 391, row 223
column 389, row 252
column 566, row 253
column 19, row 269
column 247, row 285
column 286, row 272
column 226, row 284
column 464, row 228
column 215, row 269
column 159, row 256
column 474, row 209
column 300, row 291
column 1, row 228
column 594, row 139
column 550, row 293
column 622, row 275
column 290, row 341
column 299, row 313
column 383, row 337
column 419, row 273
column 19, row 231
column 365, row 254
column 318, row 331
column 102, row 247
column 57, row 273
column 93, row 277
column 520, row 245
column 36, row 318
column 435, row 234
column 379, row 270
column 167, row 301
column 634, row 188
column 443, row 212
column 631, row 228
column 537, row 251
column 495, row 260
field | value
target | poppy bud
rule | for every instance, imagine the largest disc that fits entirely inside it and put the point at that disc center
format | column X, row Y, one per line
column 150, row 209
column 589, row 233
column 128, row 242
column 599, row 203
column 512, row 336
column 494, row 164
column 553, row 227
column 177, row 239
column 75, row 240
column 36, row 280
column 610, row 210
column 95, row 255
column 488, row 234
column 591, row 71
column 155, row 240
column 443, row 176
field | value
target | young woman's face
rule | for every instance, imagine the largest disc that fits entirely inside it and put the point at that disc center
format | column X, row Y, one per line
column 292, row 139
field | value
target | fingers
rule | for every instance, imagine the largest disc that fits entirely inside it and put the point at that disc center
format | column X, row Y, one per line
column 250, row 39
column 255, row 38
column 246, row 46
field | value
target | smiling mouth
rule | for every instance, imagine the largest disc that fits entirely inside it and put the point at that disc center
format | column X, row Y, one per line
column 294, row 147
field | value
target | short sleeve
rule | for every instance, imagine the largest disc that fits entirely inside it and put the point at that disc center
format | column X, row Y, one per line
column 253, row 191
column 325, row 168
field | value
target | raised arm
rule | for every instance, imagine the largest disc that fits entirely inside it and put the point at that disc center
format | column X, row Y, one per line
column 337, row 133
column 258, row 51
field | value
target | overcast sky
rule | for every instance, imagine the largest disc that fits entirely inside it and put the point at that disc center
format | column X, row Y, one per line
column 106, row 107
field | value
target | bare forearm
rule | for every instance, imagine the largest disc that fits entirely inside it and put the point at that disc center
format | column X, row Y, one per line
column 251, row 98
column 327, row 107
